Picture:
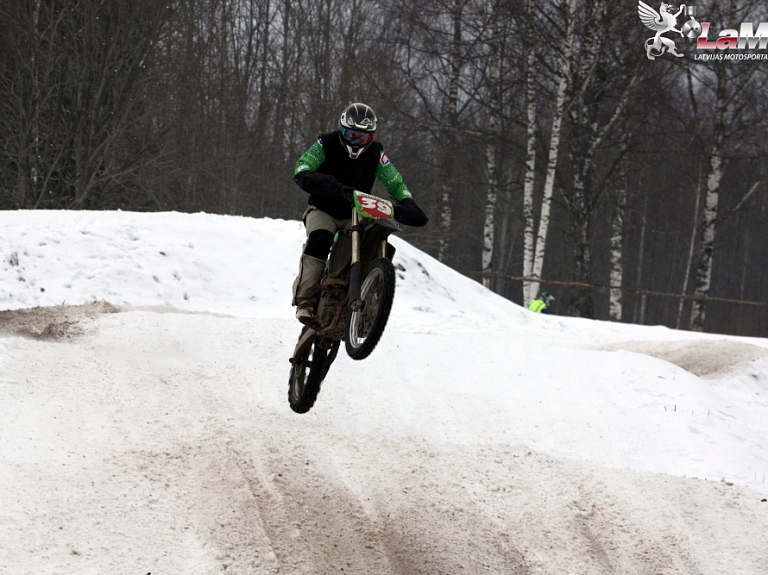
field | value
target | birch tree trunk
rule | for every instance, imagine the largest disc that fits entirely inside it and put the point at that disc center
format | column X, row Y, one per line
column 554, row 148
column 617, row 246
column 581, row 299
column 453, row 125
column 639, row 316
column 530, row 158
column 491, row 150
column 582, row 202
column 689, row 261
column 711, row 203
column 490, row 206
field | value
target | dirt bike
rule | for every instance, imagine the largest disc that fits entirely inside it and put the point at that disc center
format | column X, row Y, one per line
column 356, row 295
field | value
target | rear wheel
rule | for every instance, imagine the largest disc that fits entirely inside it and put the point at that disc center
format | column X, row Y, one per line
column 307, row 374
column 364, row 327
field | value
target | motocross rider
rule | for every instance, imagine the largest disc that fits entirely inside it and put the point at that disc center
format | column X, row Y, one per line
column 339, row 161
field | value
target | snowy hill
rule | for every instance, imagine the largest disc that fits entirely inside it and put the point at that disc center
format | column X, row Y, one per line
column 144, row 424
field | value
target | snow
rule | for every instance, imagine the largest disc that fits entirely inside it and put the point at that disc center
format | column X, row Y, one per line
column 152, row 433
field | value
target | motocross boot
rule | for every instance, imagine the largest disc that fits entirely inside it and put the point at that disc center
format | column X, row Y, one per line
column 307, row 287
column 305, row 314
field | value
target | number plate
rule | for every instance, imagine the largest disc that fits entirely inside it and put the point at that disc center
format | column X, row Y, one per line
column 373, row 207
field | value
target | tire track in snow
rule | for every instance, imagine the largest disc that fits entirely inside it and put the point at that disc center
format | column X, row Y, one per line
column 185, row 458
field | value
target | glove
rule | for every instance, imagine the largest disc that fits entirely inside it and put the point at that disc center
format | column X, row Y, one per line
column 317, row 184
column 410, row 214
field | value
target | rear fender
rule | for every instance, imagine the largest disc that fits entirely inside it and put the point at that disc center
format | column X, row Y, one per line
column 306, row 339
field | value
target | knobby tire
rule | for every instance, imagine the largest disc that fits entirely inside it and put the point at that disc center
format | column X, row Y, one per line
column 365, row 327
column 307, row 374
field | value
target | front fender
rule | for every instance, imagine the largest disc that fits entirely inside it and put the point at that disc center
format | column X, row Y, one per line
column 391, row 225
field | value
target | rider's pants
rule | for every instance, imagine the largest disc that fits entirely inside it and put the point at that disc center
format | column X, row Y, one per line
column 320, row 229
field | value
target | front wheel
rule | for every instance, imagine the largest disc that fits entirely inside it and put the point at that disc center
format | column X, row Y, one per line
column 364, row 327
column 307, row 374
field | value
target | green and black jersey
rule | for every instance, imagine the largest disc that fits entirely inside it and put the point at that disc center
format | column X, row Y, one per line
column 328, row 156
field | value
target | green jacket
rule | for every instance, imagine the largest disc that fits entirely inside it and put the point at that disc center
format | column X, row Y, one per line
column 386, row 172
column 538, row 306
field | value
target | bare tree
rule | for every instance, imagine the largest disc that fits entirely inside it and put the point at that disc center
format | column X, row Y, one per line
column 730, row 86
column 492, row 145
column 510, row 122
column 605, row 83
column 530, row 151
column 74, row 99
column 620, row 193
column 536, row 266
column 452, row 124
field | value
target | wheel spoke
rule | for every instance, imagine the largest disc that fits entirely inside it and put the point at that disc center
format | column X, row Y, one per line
column 307, row 374
column 365, row 327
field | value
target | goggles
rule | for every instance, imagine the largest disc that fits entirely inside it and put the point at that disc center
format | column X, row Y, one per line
column 356, row 137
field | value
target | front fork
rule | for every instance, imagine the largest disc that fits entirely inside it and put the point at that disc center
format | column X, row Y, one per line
column 354, row 274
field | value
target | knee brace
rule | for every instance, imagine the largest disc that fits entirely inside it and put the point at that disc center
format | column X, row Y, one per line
column 319, row 244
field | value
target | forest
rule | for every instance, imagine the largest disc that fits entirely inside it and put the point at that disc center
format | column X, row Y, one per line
column 564, row 146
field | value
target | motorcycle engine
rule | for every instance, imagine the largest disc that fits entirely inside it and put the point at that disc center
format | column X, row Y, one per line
column 330, row 299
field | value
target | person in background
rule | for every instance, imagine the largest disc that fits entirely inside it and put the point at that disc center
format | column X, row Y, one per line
column 541, row 304
column 345, row 159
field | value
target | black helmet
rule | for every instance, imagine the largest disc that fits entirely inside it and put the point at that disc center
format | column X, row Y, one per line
column 357, row 128
column 547, row 297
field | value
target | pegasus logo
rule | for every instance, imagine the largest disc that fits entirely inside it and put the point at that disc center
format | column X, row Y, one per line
column 661, row 22
column 728, row 45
